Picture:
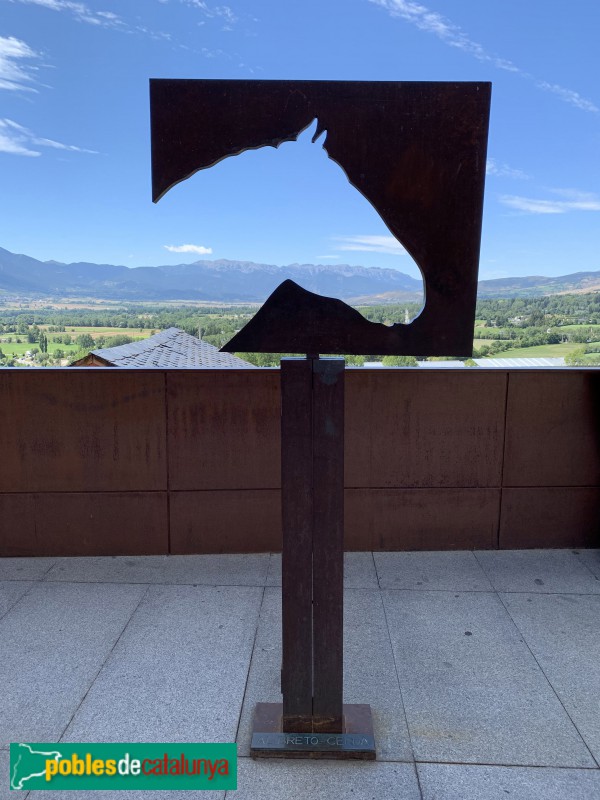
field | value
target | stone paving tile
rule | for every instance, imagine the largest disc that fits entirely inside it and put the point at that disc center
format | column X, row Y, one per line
column 591, row 559
column 445, row 571
column 359, row 571
column 563, row 632
column 11, row 592
column 129, row 794
column 369, row 672
column 264, row 676
column 179, row 671
column 24, row 569
column 473, row 692
column 212, row 570
column 300, row 779
column 5, row 792
column 52, row 644
column 537, row 571
column 460, row 782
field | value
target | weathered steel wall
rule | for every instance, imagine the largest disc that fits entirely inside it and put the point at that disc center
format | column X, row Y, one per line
column 107, row 462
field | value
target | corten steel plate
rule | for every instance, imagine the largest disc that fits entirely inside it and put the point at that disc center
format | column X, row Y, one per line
column 416, row 151
column 223, row 429
column 550, row 516
column 236, row 521
column 82, row 430
column 422, row 519
column 84, row 524
column 355, row 741
column 565, row 402
column 418, row 428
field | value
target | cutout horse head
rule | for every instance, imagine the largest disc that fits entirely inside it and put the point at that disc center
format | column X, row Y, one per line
column 415, row 151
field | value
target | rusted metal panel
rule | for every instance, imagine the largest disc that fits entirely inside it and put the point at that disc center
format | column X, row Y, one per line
column 422, row 519
column 552, row 436
column 550, row 517
column 411, row 428
column 553, row 429
column 297, row 497
column 18, row 536
column 82, row 430
column 86, row 524
column 243, row 521
column 328, row 543
column 224, row 429
column 415, row 151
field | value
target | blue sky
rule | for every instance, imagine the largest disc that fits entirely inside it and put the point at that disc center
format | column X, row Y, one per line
column 74, row 128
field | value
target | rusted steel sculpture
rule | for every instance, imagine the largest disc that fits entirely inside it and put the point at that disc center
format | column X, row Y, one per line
column 417, row 152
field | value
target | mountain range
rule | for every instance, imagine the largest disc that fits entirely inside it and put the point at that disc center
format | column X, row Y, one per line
column 246, row 282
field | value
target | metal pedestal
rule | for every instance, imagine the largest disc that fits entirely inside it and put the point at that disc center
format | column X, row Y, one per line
column 312, row 721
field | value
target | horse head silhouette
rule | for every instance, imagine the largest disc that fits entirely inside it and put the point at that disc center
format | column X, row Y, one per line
column 416, row 151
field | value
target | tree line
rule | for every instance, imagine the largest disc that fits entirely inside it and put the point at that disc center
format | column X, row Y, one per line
column 505, row 323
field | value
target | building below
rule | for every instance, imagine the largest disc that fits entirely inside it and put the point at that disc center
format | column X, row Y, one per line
column 520, row 363
column 170, row 348
column 488, row 363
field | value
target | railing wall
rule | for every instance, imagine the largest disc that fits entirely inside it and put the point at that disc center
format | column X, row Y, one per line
column 115, row 461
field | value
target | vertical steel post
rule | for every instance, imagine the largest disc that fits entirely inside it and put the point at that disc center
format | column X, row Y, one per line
column 312, row 463
column 296, row 501
column 328, row 544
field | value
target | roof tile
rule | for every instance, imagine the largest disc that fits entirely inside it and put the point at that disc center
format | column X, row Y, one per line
column 170, row 348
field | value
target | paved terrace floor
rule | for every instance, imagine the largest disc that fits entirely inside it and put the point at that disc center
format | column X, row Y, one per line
column 482, row 669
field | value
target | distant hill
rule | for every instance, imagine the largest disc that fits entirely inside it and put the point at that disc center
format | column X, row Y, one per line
column 535, row 285
column 244, row 281
column 221, row 281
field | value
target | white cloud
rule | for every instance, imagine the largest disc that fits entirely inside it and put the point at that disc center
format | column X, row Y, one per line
column 223, row 12
column 492, row 167
column 108, row 19
column 576, row 195
column 156, row 35
column 15, row 72
column 188, row 248
column 18, row 140
column 101, row 19
column 326, row 256
column 569, row 96
column 574, row 201
column 452, row 35
column 370, row 244
column 81, row 12
column 9, row 144
column 434, row 23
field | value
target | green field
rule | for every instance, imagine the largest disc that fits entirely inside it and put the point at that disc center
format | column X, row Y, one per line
column 18, row 349
column 486, row 342
column 77, row 330
column 571, row 328
column 541, row 351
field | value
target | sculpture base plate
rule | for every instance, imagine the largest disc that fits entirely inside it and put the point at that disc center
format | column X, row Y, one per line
column 355, row 741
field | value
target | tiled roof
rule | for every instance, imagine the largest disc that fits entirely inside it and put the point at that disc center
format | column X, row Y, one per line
column 170, row 348
column 441, row 364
